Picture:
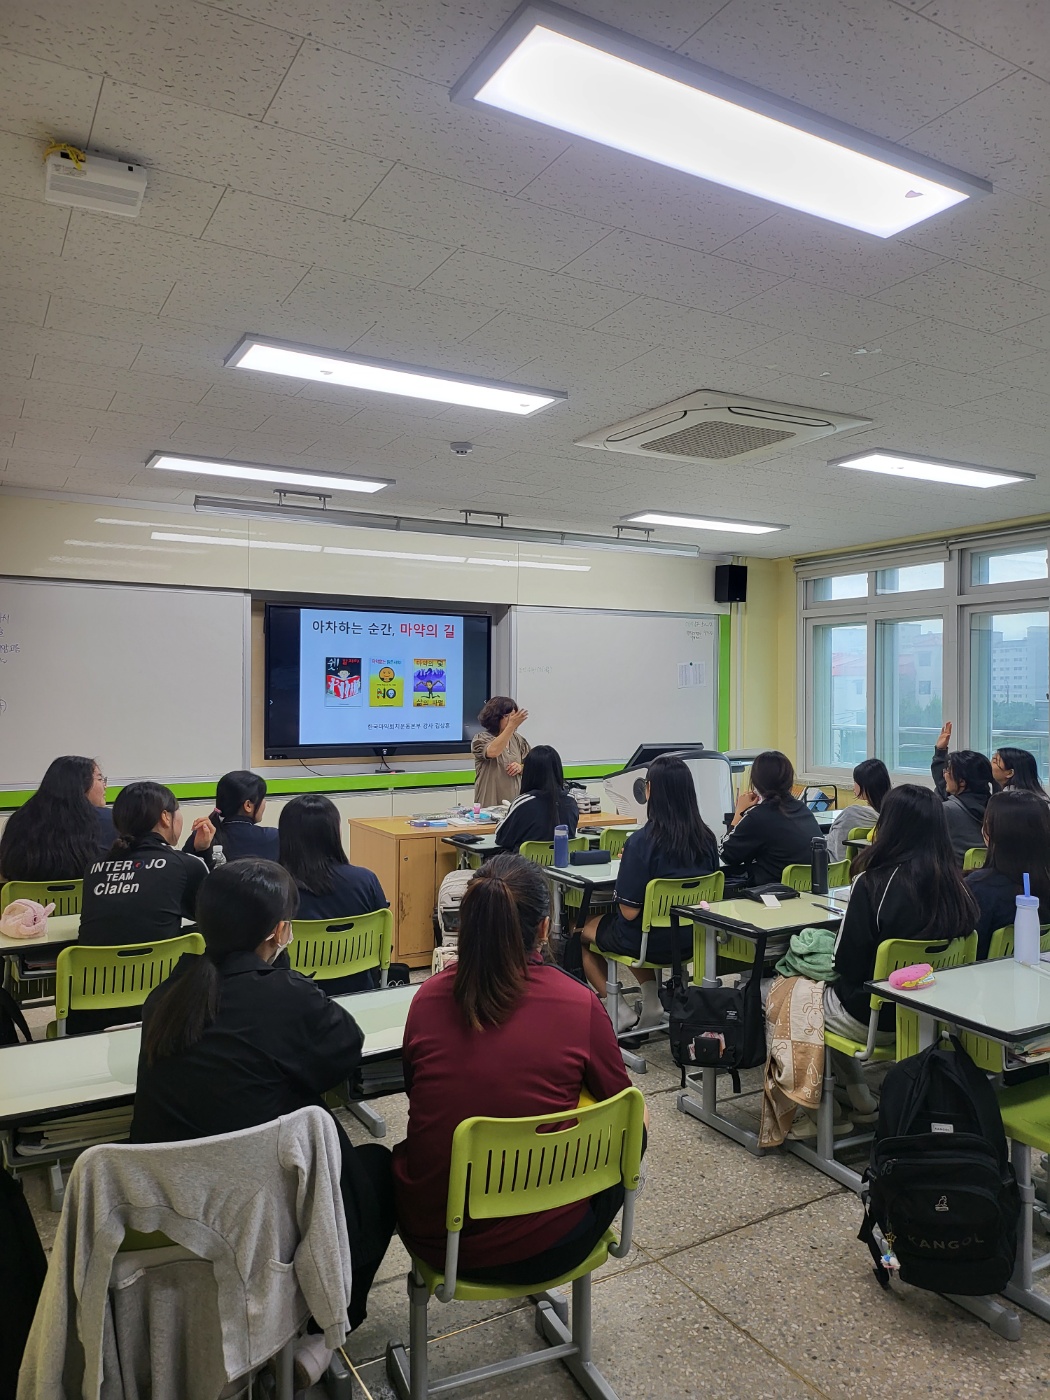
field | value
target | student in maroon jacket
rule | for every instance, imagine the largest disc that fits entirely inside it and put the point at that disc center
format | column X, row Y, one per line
column 502, row 1034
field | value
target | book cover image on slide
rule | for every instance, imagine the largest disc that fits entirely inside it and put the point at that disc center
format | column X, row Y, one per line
column 386, row 683
column 428, row 682
column 342, row 681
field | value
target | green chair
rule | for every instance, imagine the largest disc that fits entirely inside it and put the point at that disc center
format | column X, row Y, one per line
column 504, row 1168
column 975, row 858
column 660, row 898
column 542, row 852
column 27, row 983
column 113, row 978
column 800, row 877
column 613, row 839
column 1002, row 944
column 1025, row 1109
column 326, row 949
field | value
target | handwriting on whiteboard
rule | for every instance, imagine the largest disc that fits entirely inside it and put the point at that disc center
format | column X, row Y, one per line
column 699, row 629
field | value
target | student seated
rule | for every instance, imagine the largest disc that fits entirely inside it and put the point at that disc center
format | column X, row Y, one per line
column 240, row 800
column 543, row 804
column 62, row 828
column 871, row 783
column 964, row 784
column 675, row 843
column 234, row 1038
column 771, row 828
column 1017, row 770
column 909, row 886
column 1017, row 833
column 502, row 1034
column 329, row 886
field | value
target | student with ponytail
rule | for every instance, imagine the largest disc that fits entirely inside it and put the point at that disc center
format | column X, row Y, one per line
column 234, row 1038
column 240, row 800
column 502, row 1034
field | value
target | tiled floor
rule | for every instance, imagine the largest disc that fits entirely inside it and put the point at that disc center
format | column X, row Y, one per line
column 746, row 1280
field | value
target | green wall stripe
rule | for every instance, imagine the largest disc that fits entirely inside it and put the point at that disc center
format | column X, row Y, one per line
column 725, row 624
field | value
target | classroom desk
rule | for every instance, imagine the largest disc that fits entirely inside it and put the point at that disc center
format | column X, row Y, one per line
column 61, row 928
column 467, row 844
column 743, row 921
column 825, row 820
column 410, row 863
column 78, row 1073
column 588, row 878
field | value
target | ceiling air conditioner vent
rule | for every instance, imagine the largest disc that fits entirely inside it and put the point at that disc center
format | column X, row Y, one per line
column 709, row 426
column 99, row 184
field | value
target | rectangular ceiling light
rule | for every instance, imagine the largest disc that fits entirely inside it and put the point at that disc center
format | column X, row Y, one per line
column 255, row 471
column 693, row 522
column 929, row 469
column 553, row 66
column 384, row 377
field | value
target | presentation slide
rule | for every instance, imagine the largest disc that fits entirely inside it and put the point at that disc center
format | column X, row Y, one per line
column 349, row 681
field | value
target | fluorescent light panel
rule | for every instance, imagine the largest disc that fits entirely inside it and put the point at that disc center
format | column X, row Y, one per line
column 929, row 469
column 256, row 471
column 553, row 66
column 384, row 377
column 693, row 522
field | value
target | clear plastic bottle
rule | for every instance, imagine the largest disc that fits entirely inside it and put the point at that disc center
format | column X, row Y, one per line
column 1026, row 929
column 218, row 857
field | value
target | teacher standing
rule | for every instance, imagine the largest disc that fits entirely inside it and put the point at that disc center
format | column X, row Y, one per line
column 499, row 751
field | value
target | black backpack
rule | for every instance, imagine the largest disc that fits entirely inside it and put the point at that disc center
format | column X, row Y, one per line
column 940, row 1187
column 716, row 1027
column 11, row 1020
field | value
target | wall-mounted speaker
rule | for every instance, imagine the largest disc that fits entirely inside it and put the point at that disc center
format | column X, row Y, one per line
column 730, row 583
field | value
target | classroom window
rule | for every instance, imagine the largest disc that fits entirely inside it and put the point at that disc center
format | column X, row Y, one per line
column 911, row 578
column 836, row 586
column 1006, row 565
column 908, row 671
column 1010, row 682
column 839, row 689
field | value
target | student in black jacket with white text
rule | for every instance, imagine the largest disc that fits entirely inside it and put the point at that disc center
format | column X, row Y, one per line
column 1017, row 833
column 771, row 828
column 543, row 804
column 234, row 825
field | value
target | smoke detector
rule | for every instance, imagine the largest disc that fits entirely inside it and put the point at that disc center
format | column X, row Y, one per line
column 709, row 426
column 94, row 182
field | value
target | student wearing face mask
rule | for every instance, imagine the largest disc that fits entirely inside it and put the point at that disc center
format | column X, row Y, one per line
column 234, row 1038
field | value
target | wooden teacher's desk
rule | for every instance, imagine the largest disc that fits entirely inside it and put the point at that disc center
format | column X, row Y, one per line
column 411, row 862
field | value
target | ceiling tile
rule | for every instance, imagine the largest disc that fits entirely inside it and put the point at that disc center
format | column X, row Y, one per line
column 31, row 229
column 1005, row 234
column 35, row 340
column 877, row 66
column 526, row 339
column 396, row 117
column 939, row 386
column 801, row 307
column 200, row 52
column 1026, row 405
column 515, row 288
column 1016, row 30
column 958, row 292
column 468, row 216
column 651, row 268
column 954, row 347
column 43, row 99
column 821, row 359
column 667, row 323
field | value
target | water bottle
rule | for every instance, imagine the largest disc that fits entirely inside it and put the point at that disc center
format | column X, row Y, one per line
column 217, row 856
column 1026, row 929
column 561, row 845
column 819, row 865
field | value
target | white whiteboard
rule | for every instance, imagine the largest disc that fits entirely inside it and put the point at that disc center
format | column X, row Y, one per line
column 150, row 681
column 598, row 684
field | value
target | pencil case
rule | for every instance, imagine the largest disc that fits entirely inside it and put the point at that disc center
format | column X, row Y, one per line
column 589, row 857
column 907, row 979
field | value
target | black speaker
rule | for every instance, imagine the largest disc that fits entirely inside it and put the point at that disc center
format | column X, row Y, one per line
column 730, row 583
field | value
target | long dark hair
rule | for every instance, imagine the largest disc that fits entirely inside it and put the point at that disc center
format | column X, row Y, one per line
column 311, row 843
column 55, row 834
column 912, row 839
column 972, row 768
column 137, row 810
column 1017, row 829
column 674, row 822
column 772, row 776
column 1024, row 769
column 239, row 906
column 499, row 927
column 873, row 778
column 232, row 791
column 542, row 776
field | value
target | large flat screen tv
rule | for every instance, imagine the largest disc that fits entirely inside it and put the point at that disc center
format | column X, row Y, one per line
column 348, row 682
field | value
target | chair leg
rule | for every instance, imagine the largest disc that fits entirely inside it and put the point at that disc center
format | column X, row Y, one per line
column 57, row 1187
column 1021, row 1155
column 409, row 1374
column 366, row 1114
column 284, row 1370
column 612, row 993
column 582, row 1368
column 826, row 1112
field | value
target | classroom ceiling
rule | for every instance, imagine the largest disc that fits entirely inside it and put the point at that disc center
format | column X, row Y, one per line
column 310, row 179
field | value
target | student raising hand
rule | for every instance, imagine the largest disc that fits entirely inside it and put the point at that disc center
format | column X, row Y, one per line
column 944, row 738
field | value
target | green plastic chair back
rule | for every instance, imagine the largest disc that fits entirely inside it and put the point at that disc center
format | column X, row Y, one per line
column 108, row 979
column 328, row 948
column 975, row 858
column 662, row 895
column 1002, row 944
column 66, row 894
column 838, row 874
column 797, row 877
column 859, row 833
column 542, row 852
column 613, row 839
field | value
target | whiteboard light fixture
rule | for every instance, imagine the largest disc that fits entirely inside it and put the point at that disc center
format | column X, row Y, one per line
column 553, row 66
column 257, row 471
column 694, row 522
column 350, row 371
column 929, row 469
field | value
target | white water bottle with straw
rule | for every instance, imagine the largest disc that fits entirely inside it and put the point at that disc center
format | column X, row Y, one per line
column 1026, row 926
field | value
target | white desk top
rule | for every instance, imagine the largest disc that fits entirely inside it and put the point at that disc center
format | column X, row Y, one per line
column 580, row 875
column 61, row 928
column 53, row 1076
column 1005, row 1000
column 808, row 911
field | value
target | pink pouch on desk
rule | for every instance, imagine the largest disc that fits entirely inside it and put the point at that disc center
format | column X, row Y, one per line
column 907, row 979
column 25, row 918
